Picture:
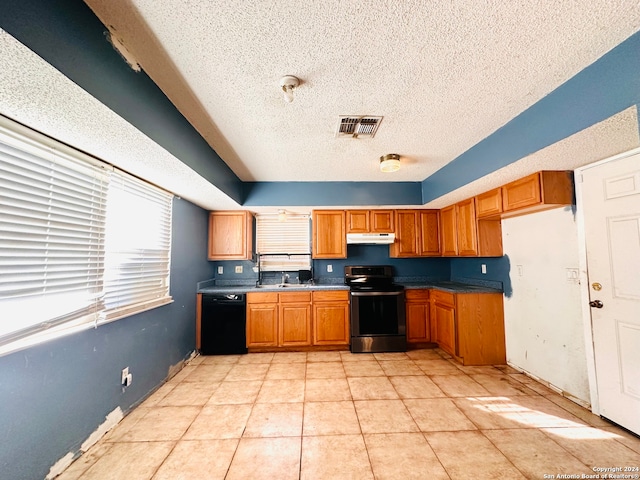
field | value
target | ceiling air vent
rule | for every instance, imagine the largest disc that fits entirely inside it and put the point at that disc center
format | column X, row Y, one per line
column 355, row 127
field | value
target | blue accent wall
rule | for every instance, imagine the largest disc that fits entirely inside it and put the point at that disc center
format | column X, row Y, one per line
column 332, row 193
column 469, row 270
column 54, row 395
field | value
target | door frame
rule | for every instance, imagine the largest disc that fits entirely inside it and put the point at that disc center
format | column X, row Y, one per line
column 584, row 277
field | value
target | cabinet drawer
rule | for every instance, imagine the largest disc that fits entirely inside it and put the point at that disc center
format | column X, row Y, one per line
column 331, row 296
column 262, row 297
column 416, row 295
column 295, row 297
column 447, row 298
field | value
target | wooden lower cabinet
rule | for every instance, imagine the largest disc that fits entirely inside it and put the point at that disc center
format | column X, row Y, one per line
column 297, row 319
column 417, row 314
column 469, row 326
column 331, row 317
column 294, row 319
column 443, row 316
column 262, row 319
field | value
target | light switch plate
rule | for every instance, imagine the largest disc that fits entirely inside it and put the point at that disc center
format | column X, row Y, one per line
column 220, row 270
column 238, row 268
column 329, row 268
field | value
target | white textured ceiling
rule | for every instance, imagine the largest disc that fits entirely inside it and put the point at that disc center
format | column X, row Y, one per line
column 444, row 75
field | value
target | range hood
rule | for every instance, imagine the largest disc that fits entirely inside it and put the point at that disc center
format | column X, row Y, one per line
column 370, row 238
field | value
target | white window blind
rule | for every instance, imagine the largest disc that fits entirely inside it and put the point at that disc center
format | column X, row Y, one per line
column 283, row 244
column 80, row 242
column 138, row 243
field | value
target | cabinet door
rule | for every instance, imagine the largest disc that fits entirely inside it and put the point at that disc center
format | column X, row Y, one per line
column 381, row 221
column 230, row 235
column 295, row 324
column 444, row 317
column 489, row 203
column 328, row 232
column 262, row 325
column 429, row 233
column 448, row 237
column 407, row 234
column 418, row 322
column 522, row 193
column 331, row 323
column 358, row 221
column 466, row 228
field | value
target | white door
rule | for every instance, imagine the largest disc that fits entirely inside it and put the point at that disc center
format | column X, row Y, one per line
column 611, row 206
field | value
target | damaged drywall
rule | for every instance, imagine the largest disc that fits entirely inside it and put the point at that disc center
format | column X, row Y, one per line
column 111, row 421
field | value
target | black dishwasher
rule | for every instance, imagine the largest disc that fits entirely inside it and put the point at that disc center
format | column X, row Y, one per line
column 223, row 324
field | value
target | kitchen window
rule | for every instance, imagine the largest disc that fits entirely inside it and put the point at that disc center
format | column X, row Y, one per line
column 283, row 242
column 81, row 243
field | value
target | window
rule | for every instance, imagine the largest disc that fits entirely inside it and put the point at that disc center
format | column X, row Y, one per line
column 80, row 242
column 283, row 243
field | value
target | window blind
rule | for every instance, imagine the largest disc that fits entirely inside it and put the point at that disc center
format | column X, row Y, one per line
column 138, row 243
column 80, row 242
column 283, row 245
column 52, row 211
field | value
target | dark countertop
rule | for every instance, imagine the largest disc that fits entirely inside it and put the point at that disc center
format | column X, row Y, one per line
column 291, row 287
column 453, row 287
column 447, row 286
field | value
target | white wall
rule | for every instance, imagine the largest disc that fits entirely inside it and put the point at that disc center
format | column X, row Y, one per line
column 543, row 317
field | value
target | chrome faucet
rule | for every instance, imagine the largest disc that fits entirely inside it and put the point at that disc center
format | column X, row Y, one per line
column 285, row 277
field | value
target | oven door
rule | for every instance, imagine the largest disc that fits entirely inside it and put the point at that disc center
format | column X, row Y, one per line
column 378, row 321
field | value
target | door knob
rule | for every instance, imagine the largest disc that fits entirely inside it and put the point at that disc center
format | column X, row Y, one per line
column 596, row 304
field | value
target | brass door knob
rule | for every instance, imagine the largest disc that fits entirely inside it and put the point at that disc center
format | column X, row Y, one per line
column 596, row 286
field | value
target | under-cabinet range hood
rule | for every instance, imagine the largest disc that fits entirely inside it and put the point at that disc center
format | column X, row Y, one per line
column 370, row 238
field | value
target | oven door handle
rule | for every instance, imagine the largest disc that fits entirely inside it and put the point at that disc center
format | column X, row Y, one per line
column 376, row 294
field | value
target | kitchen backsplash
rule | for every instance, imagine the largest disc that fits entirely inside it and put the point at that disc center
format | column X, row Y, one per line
column 466, row 270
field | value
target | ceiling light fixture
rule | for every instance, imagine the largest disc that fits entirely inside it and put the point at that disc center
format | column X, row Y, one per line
column 282, row 215
column 288, row 83
column 390, row 163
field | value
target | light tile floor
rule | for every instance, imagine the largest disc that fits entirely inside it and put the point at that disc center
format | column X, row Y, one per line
column 337, row 415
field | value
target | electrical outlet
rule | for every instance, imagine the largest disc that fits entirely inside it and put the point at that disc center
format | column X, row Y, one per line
column 483, row 268
column 329, row 268
column 220, row 270
column 238, row 268
column 520, row 270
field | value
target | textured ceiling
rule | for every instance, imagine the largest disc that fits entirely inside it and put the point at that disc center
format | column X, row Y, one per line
column 444, row 75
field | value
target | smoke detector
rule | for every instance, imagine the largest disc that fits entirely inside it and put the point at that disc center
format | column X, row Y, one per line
column 358, row 126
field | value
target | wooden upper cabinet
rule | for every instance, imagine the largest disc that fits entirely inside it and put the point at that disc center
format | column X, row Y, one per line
column 429, row 236
column 466, row 229
column 230, row 235
column 407, row 242
column 370, row 221
column 328, row 234
column 416, row 234
column 540, row 191
column 448, row 234
column 382, row 221
column 358, row 221
column 489, row 204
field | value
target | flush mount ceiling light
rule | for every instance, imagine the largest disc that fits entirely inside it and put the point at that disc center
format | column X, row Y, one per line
column 288, row 83
column 390, row 163
column 282, row 215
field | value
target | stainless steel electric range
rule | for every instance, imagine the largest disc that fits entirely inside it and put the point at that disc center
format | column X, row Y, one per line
column 378, row 322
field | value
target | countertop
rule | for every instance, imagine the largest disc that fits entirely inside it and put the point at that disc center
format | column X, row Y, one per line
column 447, row 286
